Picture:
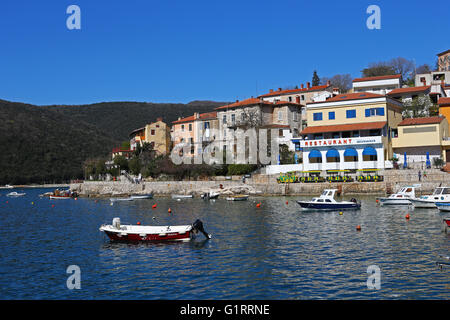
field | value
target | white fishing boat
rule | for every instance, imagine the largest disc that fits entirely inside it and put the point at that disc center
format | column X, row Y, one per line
column 440, row 194
column 241, row 197
column 7, row 187
column 142, row 196
column 120, row 199
column 182, row 196
column 133, row 233
column 402, row 197
column 443, row 206
column 15, row 194
column 327, row 202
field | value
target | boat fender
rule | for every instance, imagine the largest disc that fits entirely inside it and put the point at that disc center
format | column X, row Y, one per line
column 353, row 200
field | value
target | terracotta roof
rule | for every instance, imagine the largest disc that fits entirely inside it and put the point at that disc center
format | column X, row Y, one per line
column 291, row 91
column 345, row 127
column 394, row 76
column 446, row 51
column 137, row 130
column 418, row 121
column 444, row 101
column 255, row 101
column 408, row 90
column 350, row 96
column 201, row 116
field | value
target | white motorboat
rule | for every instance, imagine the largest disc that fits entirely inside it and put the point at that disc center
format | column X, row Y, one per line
column 440, row 194
column 132, row 233
column 7, row 186
column 15, row 194
column 327, row 202
column 402, row 197
column 142, row 196
column 443, row 206
column 210, row 195
column 182, row 196
column 120, row 199
column 241, row 197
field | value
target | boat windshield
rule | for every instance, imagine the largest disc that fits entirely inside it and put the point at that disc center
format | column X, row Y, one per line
column 437, row 191
column 446, row 191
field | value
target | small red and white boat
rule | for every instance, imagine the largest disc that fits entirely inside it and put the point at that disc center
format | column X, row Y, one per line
column 118, row 232
column 446, row 225
column 60, row 197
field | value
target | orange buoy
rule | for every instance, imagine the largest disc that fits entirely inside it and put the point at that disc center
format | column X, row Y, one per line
column 287, row 202
column 258, row 205
column 407, row 216
column 154, row 206
column 6, row 201
column 358, row 228
column 138, row 223
column 53, row 205
column 76, row 198
column 169, row 211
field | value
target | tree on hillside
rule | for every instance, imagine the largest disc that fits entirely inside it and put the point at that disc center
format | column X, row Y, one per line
column 425, row 68
column 377, row 69
column 398, row 65
column 341, row 81
column 315, row 79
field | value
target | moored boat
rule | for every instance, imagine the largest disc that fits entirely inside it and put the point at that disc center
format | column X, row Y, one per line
column 15, row 194
column 241, row 197
column 402, row 197
column 446, row 224
column 120, row 199
column 443, row 206
column 210, row 195
column 182, row 196
column 142, row 196
column 7, row 186
column 326, row 202
column 118, row 232
column 440, row 194
column 60, row 197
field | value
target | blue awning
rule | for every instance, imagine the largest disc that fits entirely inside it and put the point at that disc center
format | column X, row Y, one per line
column 350, row 153
column 369, row 151
column 315, row 154
column 332, row 153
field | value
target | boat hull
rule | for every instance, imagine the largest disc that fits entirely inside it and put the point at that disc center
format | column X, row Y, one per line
column 307, row 205
column 146, row 196
column 395, row 202
column 135, row 237
column 420, row 203
column 443, row 206
column 59, row 197
column 237, row 198
column 182, row 196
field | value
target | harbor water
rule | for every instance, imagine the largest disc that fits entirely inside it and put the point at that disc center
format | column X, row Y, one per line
column 275, row 251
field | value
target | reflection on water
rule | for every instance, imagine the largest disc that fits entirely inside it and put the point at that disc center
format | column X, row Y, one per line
column 272, row 252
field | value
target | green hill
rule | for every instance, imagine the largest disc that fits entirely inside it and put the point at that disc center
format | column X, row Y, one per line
column 50, row 143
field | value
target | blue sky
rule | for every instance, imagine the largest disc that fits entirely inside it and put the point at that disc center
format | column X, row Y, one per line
column 179, row 51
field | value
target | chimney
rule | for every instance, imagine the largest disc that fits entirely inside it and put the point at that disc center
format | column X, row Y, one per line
column 328, row 83
column 271, row 90
column 279, row 89
column 159, row 119
column 308, row 85
column 237, row 100
column 302, row 85
column 179, row 118
column 335, row 91
column 195, row 115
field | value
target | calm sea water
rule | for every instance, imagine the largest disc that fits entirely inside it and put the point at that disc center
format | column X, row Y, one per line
column 272, row 252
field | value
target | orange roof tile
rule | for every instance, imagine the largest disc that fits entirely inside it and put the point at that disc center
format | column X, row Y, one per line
column 201, row 116
column 444, row 101
column 344, row 127
column 394, row 76
column 418, row 121
column 291, row 91
column 255, row 101
column 408, row 90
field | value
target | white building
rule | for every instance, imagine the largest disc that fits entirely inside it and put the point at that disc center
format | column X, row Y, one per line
column 379, row 85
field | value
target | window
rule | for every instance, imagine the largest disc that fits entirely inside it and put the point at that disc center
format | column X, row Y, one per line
column 295, row 116
column 190, row 126
column 280, row 115
column 290, row 99
column 233, row 118
column 182, row 127
column 206, row 125
column 152, row 132
column 331, row 115
column 317, row 116
column 336, row 135
column 302, row 97
column 351, row 114
column 224, row 119
column 374, row 112
column 280, row 133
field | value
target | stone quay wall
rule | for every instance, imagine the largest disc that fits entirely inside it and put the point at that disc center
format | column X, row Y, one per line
column 265, row 185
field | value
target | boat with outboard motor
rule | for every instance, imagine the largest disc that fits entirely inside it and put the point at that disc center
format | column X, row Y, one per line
column 402, row 197
column 327, row 202
column 142, row 196
column 119, row 232
column 239, row 197
column 182, row 196
column 210, row 195
column 440, row 194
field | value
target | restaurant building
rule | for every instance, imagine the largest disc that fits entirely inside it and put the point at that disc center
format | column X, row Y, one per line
column 350, row 131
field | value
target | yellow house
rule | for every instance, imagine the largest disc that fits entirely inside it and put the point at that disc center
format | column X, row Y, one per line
column 350, row 131
column 421, row 139
column 157, row 133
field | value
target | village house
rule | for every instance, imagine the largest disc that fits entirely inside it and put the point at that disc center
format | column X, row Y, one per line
column 421, row 140
column 379, row 84
column 156, row 133
column 350, row 131
column 281, row 115
column 195, row 132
